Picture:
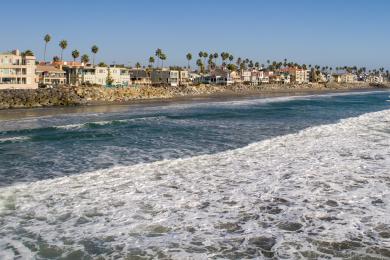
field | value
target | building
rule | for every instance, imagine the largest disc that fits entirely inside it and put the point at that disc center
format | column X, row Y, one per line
column 246, row 76
column 184, row 77
column 345, row 78
column 106, row 76
column 220, row 77
column 374, row 78
column 140, row 77
column 49, row 75
column 165, row 77
column 73, row 71
column 298, row 75
column 17, row 71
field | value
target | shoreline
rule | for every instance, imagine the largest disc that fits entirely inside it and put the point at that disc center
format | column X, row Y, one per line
column 117, row 106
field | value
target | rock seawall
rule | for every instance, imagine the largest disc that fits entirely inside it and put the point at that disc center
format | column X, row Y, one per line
column 66, row 95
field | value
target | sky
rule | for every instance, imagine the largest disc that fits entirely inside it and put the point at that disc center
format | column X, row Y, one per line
column 324, row 32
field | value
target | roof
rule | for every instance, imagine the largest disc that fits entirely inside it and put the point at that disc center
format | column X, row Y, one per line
column 48, row 68
column 139, row 73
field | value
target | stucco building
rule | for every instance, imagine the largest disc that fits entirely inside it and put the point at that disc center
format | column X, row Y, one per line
column 17, row 71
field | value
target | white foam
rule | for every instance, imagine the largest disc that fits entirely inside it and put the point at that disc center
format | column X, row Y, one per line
column 332, row 179
column 14, row 139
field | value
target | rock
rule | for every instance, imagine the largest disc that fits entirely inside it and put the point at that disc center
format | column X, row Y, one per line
column 263, row 242
column 290, row 226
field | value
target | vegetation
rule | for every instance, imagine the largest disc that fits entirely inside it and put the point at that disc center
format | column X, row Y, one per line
column 27, row 53
column 85, row 59
column 47, row 39
column 75, row 54
column 63, row 45
column 94, row 50
column 189, row 58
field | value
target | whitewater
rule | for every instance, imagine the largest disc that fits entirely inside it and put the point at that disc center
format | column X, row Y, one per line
column 322, row 192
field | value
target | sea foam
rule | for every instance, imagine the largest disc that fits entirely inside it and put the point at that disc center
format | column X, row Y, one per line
column 321, row 193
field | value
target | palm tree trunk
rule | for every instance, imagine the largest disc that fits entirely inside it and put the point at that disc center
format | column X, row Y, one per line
column 62, row 51
column 44, row 54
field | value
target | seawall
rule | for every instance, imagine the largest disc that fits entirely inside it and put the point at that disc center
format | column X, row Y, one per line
column 67, row 95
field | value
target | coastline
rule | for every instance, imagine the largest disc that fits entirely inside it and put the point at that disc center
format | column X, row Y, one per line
column 117, row 106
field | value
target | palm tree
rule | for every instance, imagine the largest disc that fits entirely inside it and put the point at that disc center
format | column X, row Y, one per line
column 94, row 50
column 163, row 57
column 231, row 57
column 215, row 57
column 47, row 39
column 151, row 61
column 238, row 62
column 205, row 55
column 63, row 44
column 189, row 58
column 27, row 53
column 85, row 59
column 200, row 64
column 75, row 54
column 158, row 53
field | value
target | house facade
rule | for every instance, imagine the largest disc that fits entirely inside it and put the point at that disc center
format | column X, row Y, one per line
column 165, row 77
column 104, row 76
column 17, row 71
column 50, row 76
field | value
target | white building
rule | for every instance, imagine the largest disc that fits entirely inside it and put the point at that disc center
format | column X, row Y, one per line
column 17, row 71
column 105, row 75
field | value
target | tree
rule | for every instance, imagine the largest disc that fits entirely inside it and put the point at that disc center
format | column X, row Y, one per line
column 94, row 50
column 200, row 64
column 63, row 45
column 238, row 62
column 56, row 59
column 151, row 61
column 257, row 65
column 109, row 79
column 163, row 57
column 75, row 54
column 27, row 53
column 102, row 64
column 189, row 58
column 158, row 53
column 205, row 54
column 231, row 67
column 47, row 39
column 215, row 56
column 231, row 58
column 85, row 59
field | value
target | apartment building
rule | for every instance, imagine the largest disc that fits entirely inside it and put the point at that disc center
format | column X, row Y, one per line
column 17, row 71
column 113, row 76
column 49, row 75
column 345, row 78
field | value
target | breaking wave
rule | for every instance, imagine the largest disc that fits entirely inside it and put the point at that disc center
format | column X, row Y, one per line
column 319, row 193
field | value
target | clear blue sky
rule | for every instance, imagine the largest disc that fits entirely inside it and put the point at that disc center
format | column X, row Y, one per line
column 325, row 32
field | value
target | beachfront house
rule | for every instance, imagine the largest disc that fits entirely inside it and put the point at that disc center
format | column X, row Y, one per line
column 165, row 77
column 297, row 75
column 140, row 77
column 73, row 71
column 106, row 76
column 345, row 77
column 49, row 75
column 220, row 77
column 17, row 71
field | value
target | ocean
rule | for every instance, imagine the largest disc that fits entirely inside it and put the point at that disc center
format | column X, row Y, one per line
column 280, row 177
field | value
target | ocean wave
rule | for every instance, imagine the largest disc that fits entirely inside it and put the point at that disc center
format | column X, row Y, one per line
column 14, row 139
column 105, row 123
column 320, row 193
